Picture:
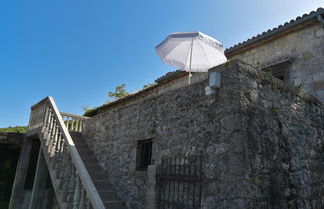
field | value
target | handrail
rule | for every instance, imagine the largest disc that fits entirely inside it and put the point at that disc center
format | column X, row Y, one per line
column 74, row 116
column 73, row 122
column 57, row 139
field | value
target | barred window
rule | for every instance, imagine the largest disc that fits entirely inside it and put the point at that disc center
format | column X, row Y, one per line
column 143, row 154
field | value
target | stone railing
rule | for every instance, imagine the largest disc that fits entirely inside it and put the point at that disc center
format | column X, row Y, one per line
column 37, row 115
column 71, row 181
column 73, row 122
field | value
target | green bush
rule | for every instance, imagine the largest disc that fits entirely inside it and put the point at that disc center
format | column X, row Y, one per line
column 90, row 112
column 17, row 129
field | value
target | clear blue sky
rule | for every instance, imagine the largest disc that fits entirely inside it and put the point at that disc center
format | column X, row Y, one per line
column 78, row 50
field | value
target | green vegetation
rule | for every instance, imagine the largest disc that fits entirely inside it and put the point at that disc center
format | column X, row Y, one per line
column 18, row 129
column 88, row 112
column 119, row 92
column 275, row 110
column 148, row 85
column 296, row 88
column 268, row 71
column 299, row 87
column 256, row 181
column 257, row 65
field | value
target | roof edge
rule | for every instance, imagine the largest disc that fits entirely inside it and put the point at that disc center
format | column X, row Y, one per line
column 271, row 32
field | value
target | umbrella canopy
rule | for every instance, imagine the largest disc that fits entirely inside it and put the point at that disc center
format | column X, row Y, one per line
column 191, row 51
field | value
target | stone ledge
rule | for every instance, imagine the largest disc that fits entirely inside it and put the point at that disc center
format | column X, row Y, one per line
column 11, row 137
column 263, row 77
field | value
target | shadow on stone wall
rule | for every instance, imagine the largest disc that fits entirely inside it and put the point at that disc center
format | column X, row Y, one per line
column 9, row 154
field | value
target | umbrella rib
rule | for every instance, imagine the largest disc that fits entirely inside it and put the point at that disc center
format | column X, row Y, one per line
column 204, row 53
column 188, row 55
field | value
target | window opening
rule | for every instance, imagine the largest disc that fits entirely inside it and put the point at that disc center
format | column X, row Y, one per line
column 143, row 154
column 279, row 68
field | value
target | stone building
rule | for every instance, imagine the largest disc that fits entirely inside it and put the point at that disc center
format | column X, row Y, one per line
column 293, row 50
column 256, row 142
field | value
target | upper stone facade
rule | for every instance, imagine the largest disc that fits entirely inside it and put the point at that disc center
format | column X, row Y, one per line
column 296, row 48
column 302, row 44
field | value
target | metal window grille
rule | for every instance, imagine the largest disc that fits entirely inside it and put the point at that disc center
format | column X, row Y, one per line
column 144, row 154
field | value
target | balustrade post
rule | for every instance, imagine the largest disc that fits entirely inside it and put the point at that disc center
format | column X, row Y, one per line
column 67, row 122
column 51, row 138
column 77, row 121
column 45, row 118
column 43, row 109
column 67, row 174
column 88, row 204
column 56, row 156
column 80, row 126
column 54, row 139
column 50, row 129
column 83, row 199
column 71, row 187
column 72, row 124
column 45, row 131
column 63, row 164
column 77, row 193
column 58, row 150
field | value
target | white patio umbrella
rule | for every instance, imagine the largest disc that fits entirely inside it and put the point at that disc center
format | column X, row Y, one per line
column 191, row 51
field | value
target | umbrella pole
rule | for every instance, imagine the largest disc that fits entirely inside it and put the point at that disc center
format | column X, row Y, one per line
column 191, row 48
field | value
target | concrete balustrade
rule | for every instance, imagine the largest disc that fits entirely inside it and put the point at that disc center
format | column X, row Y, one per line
column 71, row 181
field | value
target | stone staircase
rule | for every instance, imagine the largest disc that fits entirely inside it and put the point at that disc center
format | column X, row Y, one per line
column 97, row 174
column 78, row 180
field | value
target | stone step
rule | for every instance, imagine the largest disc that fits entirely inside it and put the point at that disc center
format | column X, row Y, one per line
column 78, row 140
column 83, row 147
column 107, row 204
column 93, row 167
column 68, row 206
column 108, row 195
column 80, row 143
column 114, row 204
column 85, row 152
column 102, row 184
column 98, row 175
column 75, row 134
column 88, row 159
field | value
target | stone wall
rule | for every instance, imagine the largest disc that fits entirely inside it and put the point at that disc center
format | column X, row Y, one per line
column 305, row 47
column 262, row 141
column 11, row 137
column 281, row 146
